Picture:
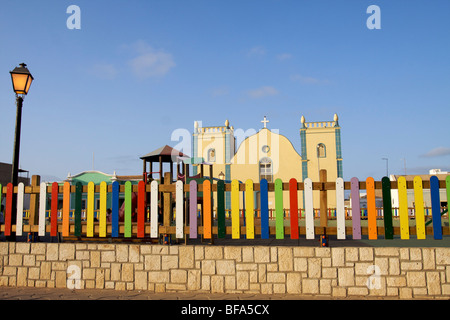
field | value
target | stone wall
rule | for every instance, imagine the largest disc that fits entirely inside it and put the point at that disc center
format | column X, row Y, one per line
column 334, row 272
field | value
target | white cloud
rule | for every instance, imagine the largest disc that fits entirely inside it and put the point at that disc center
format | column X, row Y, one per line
column 437, row 152
column 220, row 91
column 262, row 92
column 150, row 62
column 307, row 80
column 284, row 56
column 256, row 51
column 104, row 71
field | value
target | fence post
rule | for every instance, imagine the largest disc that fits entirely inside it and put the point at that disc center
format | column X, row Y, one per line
column 34, row 201
column 323, row 200
column 167, row 201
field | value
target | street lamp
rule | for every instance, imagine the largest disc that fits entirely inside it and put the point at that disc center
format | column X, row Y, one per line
column 21, row 81
column 221, row 175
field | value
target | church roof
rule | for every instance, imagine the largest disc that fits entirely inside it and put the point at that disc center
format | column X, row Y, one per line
column 167, row 154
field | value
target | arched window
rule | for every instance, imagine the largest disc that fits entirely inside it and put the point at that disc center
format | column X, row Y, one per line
column 212, row 155
column 321, row 151
column 266, row 169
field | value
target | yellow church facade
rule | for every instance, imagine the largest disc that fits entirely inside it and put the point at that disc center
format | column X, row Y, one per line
column 267, row 154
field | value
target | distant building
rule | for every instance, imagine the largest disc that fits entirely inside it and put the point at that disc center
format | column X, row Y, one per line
column 442, row 175
column 5, row 174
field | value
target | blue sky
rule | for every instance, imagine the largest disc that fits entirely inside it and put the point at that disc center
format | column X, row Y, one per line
column 137, row 71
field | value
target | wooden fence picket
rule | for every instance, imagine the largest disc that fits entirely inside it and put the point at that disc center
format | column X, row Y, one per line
column 78, row 205
column 19, row 207
column 403, row 208
column 207, row 213
column 419, row 208
column 101, row 217
column 142, row 199
column 66, row 209
column 356, row 209
column 221, row 226
column 436, row 208
column 54, row 210
column 264, row 192
column 249, row 210
column 371, row 209
column 309, row 209
column 154, row 209
column 90, row 210
column 235, row 218
column 340, row 209
column 293, row 202
column 115, row 209
column 279, row 209
column 179, row 198
column 193, row 209
column 8, row 208
column 42, row 208
column 387, row 208
column 128, row 209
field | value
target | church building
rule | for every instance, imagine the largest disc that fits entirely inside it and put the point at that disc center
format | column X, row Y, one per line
column 267, row 154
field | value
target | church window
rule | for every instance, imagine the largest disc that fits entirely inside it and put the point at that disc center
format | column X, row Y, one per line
column 321, row 151
column 265, row 169
column 212, row 155
column 265, row 149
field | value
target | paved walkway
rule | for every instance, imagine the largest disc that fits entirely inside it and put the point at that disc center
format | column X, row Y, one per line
column 13, row 293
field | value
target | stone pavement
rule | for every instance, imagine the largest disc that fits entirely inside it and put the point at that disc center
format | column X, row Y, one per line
column 28, row 293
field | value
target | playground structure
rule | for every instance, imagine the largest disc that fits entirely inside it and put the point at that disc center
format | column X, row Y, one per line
column 192, row 210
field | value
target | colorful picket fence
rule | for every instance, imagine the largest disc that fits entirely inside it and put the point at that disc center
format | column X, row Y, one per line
column 187, row 224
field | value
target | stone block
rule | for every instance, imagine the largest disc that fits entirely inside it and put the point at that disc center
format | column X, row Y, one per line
column 310, row 286
column 186, row 256
column 235, row 253
column 217, row 284
column 108, row 256
column 169, row 262
column 294, row 283
column 122, row 253
column 314, row 267
column 433, row 283
column 285, row 259
column 66, row 251
column 141, row 280
column 247, row 254
column 23, row 247
column 262, row 254
column 242, row 280
column 213, row 253
column 152, row 262
column 194, row 280
column 127, row 272
column 52, row 251
column 346, row 277
column 226, row 267
column 158, row 276
column 338, row 257
column 178, row 276
column 209, row 267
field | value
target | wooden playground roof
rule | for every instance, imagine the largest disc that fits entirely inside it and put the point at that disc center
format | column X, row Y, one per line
column 165, row 154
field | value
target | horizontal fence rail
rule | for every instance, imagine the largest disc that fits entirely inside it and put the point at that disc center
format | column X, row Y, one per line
column 195, row 210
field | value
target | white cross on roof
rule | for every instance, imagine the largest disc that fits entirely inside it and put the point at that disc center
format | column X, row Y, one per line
column 265, row 121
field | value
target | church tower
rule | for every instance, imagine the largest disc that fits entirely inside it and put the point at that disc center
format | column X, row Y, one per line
column 213, row 145
column 321, row 149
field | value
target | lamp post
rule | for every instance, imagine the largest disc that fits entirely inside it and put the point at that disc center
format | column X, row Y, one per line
column 21, row 81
